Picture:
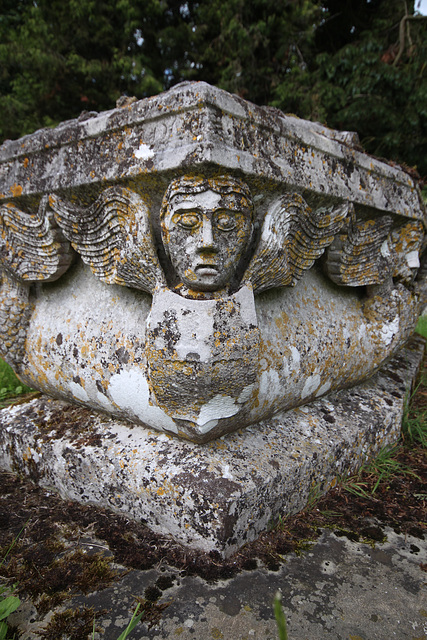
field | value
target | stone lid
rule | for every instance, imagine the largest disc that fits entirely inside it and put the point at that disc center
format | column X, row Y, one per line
column 194, row 126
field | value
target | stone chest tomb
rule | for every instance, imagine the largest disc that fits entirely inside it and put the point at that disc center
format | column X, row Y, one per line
column 195, row 265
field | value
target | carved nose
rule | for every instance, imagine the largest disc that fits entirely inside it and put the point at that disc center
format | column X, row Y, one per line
column 207, row 239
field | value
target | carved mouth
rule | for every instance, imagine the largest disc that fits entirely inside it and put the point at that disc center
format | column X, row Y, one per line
column 207, row 269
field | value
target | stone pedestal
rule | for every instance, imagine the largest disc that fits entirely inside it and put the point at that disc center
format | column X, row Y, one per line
column 219, row 495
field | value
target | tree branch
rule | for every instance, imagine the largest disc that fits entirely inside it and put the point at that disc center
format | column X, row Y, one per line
column 402, row 26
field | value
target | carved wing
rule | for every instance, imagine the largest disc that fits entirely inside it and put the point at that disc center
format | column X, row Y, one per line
column 114, row 237
column 31, row 246
column 361, row 255
column 15, row 311
column 293, row 236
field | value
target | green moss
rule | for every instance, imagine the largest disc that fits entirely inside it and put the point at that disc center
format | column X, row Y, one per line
column 72, row 624
column 305, row 545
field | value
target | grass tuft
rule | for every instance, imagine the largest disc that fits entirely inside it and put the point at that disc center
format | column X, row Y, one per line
column 368, row 479
column 10, row 385
column 421, row 327
column 414, row 423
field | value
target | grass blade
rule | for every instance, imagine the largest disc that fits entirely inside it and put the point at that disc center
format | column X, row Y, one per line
column 132, row 624
column 280, row 617
column 8, row 605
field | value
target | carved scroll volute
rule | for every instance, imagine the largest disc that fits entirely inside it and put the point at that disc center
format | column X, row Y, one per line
column 32, row 249
column 361, row 254
column 114, row 237
column 293, row 237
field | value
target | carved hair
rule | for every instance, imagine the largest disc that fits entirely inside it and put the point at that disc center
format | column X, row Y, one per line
column 222, row 185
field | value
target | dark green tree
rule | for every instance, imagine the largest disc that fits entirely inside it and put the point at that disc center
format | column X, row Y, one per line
column 59, row 57
column 368, row 73
column 247, row 47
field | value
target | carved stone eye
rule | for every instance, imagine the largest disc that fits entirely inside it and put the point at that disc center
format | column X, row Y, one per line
column 189, row 220
column 226, row 221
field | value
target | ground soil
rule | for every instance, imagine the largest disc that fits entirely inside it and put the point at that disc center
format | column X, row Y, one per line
column 49, row 564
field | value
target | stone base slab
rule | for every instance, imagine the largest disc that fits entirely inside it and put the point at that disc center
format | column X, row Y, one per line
column 222, row 494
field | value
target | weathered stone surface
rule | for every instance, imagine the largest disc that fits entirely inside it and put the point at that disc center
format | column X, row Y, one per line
column 293, row 237
column 361, row 256
column 221, row 494
column 299, row 255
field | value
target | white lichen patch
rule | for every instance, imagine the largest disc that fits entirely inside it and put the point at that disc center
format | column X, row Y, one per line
column 95, row 126
column 296, row 358
column 208, row 426
column 323, row 389
column 246, row 394
column 311, row 385
column 78, row 391
column 226, row 472
column 269, row 384
column 244, row 297
column 129, row 390
column 144, row 152
column 413, row 260
column 389, row 330
column 385, row 249
column 104, row 401
column 218, row 407
column 361, row 331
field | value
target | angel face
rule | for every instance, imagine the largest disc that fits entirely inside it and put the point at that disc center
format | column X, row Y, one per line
column 205, row 233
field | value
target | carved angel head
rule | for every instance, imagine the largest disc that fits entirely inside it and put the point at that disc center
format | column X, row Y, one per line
column 207, row 226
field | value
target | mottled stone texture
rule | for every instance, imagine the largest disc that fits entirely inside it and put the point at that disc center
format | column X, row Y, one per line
column 219, row 495
column 196, row 264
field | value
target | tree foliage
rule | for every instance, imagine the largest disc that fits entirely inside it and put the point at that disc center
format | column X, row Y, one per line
column 249, row 46
column 352, row 64
column 59, row 57
column 353, row 82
